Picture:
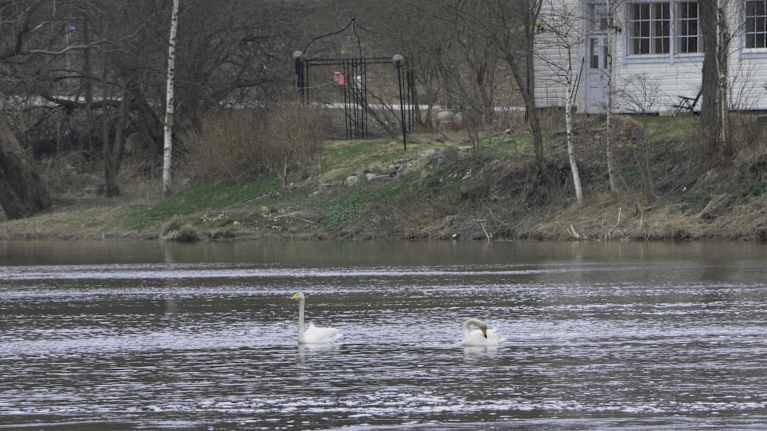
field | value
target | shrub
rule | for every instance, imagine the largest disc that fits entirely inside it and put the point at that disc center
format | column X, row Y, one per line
column 239, row 145
column 228, row 147
column 294, row 133
column 175, row 230
column 747, row 131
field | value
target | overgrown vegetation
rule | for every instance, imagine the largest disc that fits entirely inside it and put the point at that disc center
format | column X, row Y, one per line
column 442, row 188
column 244, row 145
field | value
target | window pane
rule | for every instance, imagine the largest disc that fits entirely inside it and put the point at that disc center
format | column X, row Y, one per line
column 760, row 40
column 750, row 41
column 645, row 11
column 650, row 25
column 661, row 46
column 594, row 57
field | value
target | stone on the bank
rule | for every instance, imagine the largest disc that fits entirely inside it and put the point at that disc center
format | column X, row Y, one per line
column 376, row 178
column 351, row 181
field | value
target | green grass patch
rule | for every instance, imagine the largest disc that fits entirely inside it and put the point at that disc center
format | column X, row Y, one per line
column 198, row 198
column 758, row 189
column 359, row 153
column 350, row 208
column 669, row 129
column 507, row 147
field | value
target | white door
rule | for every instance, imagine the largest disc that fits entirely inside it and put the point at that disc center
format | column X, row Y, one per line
column 596, row 91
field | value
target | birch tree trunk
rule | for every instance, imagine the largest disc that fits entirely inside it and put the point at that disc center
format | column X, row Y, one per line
column 170, row 103
column 569, row 132
column 611, row 168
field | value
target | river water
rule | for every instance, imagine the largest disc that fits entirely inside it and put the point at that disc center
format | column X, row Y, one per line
column 599, row 336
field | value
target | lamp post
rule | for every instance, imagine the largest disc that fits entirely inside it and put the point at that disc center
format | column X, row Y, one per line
column 298, row 60
column 398, row 60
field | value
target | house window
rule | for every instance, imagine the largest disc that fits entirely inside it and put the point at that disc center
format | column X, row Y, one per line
column 599, row 17
column 690, row 36
column 650, row 28
column 756, row 24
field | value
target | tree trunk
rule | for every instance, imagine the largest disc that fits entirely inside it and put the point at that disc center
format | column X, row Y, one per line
column 170, row 103
column 569, row 132
column 531, row 24
column 88, row 84
column 22, row 191
column 723, row 33
column 524, row 75
column 535, row 128
column 611, row 165
column 113, row 151
column 715, row 99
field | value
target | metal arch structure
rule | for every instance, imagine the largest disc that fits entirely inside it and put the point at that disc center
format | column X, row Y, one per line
column 354, row 84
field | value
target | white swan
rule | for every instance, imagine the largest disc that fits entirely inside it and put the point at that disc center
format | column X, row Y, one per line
column 477, row 333
column 312, row 334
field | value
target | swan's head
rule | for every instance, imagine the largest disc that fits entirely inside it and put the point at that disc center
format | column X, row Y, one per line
column 478, row 324
column 297, row 296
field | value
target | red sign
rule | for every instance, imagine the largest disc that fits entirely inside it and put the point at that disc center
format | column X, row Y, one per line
column 339, row 78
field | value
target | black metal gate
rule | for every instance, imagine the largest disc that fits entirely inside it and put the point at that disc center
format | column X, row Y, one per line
column 352, row 77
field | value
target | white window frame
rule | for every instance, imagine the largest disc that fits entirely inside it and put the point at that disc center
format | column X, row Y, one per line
column 745, row 33
column 680, row 22
column 674, row 55
column 652, row 21
column 594, row 22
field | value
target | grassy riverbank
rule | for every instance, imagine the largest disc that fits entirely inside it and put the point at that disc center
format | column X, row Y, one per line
column 441, row 189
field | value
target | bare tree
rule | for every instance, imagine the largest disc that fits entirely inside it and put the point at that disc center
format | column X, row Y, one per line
column 609, row 154
column 469, row 67
column 514, row 27
column 561, row 25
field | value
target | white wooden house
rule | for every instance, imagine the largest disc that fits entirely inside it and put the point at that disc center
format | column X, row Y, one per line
column 657, row 50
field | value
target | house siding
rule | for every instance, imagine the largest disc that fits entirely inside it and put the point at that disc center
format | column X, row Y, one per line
column 551, row 90
column 655, row 84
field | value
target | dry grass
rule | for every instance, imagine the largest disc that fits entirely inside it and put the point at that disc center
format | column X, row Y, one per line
column 236, row 146
column 467, row 196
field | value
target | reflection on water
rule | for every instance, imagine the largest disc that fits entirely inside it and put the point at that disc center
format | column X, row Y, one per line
column 631, row 337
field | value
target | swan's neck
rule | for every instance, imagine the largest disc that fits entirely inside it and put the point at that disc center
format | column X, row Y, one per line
column 472, row 323
column 301, row 303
